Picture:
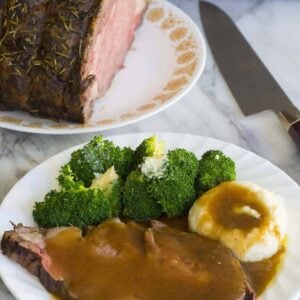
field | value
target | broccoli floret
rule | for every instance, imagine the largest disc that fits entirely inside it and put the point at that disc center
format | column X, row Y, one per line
column 138, row 202
column 68, row 180
column 173, row 185
column 175, row 193
column 123, row 161
column 98, row 156
column 184, row 161
column 150, row 147
column 80, row 206
column 214, row 168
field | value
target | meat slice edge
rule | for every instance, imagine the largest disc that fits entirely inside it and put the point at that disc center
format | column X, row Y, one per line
column 25, row 246
column 56, row 79
column 110, row 36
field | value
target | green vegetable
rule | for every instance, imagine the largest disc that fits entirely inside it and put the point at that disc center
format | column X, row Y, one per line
column 123, row 161
column 174, row 190
column 214, row 168
column 98, row 156
column 92, row 189
column 68, row 180
column 138, row 202
column 175, row 193
column 80, row 206
column 150, row 147
column 169, row 189
column 183, row 160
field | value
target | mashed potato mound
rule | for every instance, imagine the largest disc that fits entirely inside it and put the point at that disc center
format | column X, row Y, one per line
column 246, row 218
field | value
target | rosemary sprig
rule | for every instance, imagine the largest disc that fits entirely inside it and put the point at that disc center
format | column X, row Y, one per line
column 14, row 7
column 18, row 41
column 61, row 54
column 18, row 72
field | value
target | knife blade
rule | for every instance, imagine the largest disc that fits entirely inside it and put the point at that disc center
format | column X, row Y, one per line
column 250, row 82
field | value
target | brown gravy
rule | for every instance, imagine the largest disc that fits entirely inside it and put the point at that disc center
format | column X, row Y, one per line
column 130, row 261
column 115, row 262
column 260, row 273
column 263, row 272
column 229, row 200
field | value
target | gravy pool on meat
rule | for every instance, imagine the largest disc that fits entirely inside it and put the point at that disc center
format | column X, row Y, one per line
column 261, row 273
column 88, row 262
column 130, row 261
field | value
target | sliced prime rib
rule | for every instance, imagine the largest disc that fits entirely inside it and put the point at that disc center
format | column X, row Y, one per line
column 157, row 262
column 58, row 56
column 25, row 245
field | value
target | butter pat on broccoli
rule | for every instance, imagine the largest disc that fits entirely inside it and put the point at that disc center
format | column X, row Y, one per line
column 162, row 181
column 149, row 147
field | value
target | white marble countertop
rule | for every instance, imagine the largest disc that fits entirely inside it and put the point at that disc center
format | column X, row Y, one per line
column 272, row 28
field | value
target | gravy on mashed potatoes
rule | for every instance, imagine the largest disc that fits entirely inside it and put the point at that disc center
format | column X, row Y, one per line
column 248, row 219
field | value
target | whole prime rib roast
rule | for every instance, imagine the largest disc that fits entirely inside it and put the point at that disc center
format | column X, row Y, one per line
column 58, row 56
column 185, row 260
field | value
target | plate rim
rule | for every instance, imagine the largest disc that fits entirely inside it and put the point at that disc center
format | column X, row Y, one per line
column 136, row 135
column 148, row 114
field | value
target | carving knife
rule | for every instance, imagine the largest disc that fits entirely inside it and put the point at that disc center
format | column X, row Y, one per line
column 250, row 82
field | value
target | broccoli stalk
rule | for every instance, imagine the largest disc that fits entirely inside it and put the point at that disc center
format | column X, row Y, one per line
column 214, row 168
column 78, row 205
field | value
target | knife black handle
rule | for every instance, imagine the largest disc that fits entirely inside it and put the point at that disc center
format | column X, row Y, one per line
column 291, row 121
column 294, row 131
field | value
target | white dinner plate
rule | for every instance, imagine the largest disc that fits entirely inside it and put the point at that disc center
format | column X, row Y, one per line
column 166, row 59
column 17, row 207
